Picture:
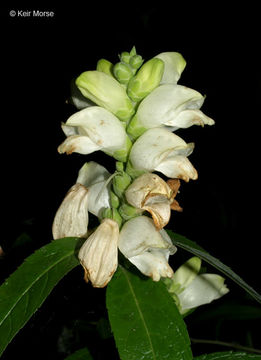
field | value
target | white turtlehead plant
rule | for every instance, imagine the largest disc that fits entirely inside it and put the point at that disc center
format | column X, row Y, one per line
column 129, row 111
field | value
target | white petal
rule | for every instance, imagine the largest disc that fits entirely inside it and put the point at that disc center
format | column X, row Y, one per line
column 151, row 193
column 94, row 176
column 99, row 253
column 175, row 106
column 188, row 118
column 174, row 65
column 71, row 218
column 147, row 248
column 202, row 290
column 92, row 173
column 177, row 167
column 158, row 149
column 187, row 272
column 78, row 143
column 102, row 127
column 139, row 235
column 153, row 264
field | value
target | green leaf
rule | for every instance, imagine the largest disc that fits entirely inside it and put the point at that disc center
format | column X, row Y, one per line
column 144, row 319
column 82, row 354
column 192, row 247
column 228, row 355
column 26, row 289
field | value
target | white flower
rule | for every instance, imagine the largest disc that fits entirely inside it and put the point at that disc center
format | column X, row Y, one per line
column 172, row 106
column 92, row 129
column 147, row 248
column 90, row 193
column 151, row 193
column 96, row 178
column 160, row 150
column 174, row 64
column 99, row 254
column 71, row 218
column 193, row 290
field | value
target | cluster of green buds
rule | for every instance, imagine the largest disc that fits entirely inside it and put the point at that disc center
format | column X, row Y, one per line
column 129, row 111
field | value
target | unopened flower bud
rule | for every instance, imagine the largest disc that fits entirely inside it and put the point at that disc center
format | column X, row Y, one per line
column 71, row 218
column 105, row 66
column 122, row 72
column 125, row 57
column 99, row 254
column 106, row 91
column 120, row 183
column 136, row 61
column 146, row 80
column 128, row 212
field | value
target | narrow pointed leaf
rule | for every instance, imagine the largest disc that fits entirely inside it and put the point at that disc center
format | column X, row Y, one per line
column 228, row 355
column 192, row 247
column 26, row 289
column 145, row 321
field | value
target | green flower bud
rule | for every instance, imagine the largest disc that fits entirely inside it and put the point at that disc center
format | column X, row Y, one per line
column 120, row 183
column 105, row 66
column 146, row 80
column 136, row 61
column 122, row 72
column 114, row 200
column 112, row 214
column 125, row 57
column 117, row 217
column 106, row 91
column 128, row 212
column 119, row 166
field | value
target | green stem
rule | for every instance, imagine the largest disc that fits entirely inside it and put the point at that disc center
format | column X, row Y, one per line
column 223, row 343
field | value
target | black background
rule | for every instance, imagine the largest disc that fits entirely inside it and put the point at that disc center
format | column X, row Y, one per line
column 39, row 58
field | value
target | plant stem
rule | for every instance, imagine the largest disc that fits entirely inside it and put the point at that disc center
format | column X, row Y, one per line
column 223, row 343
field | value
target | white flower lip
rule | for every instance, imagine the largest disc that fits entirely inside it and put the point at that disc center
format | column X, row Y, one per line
column 160, row 150
column 99, row 254
column 202, row 290
column 173, row 106
column 147, row 248
column 92, row 129
column 71, row 218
